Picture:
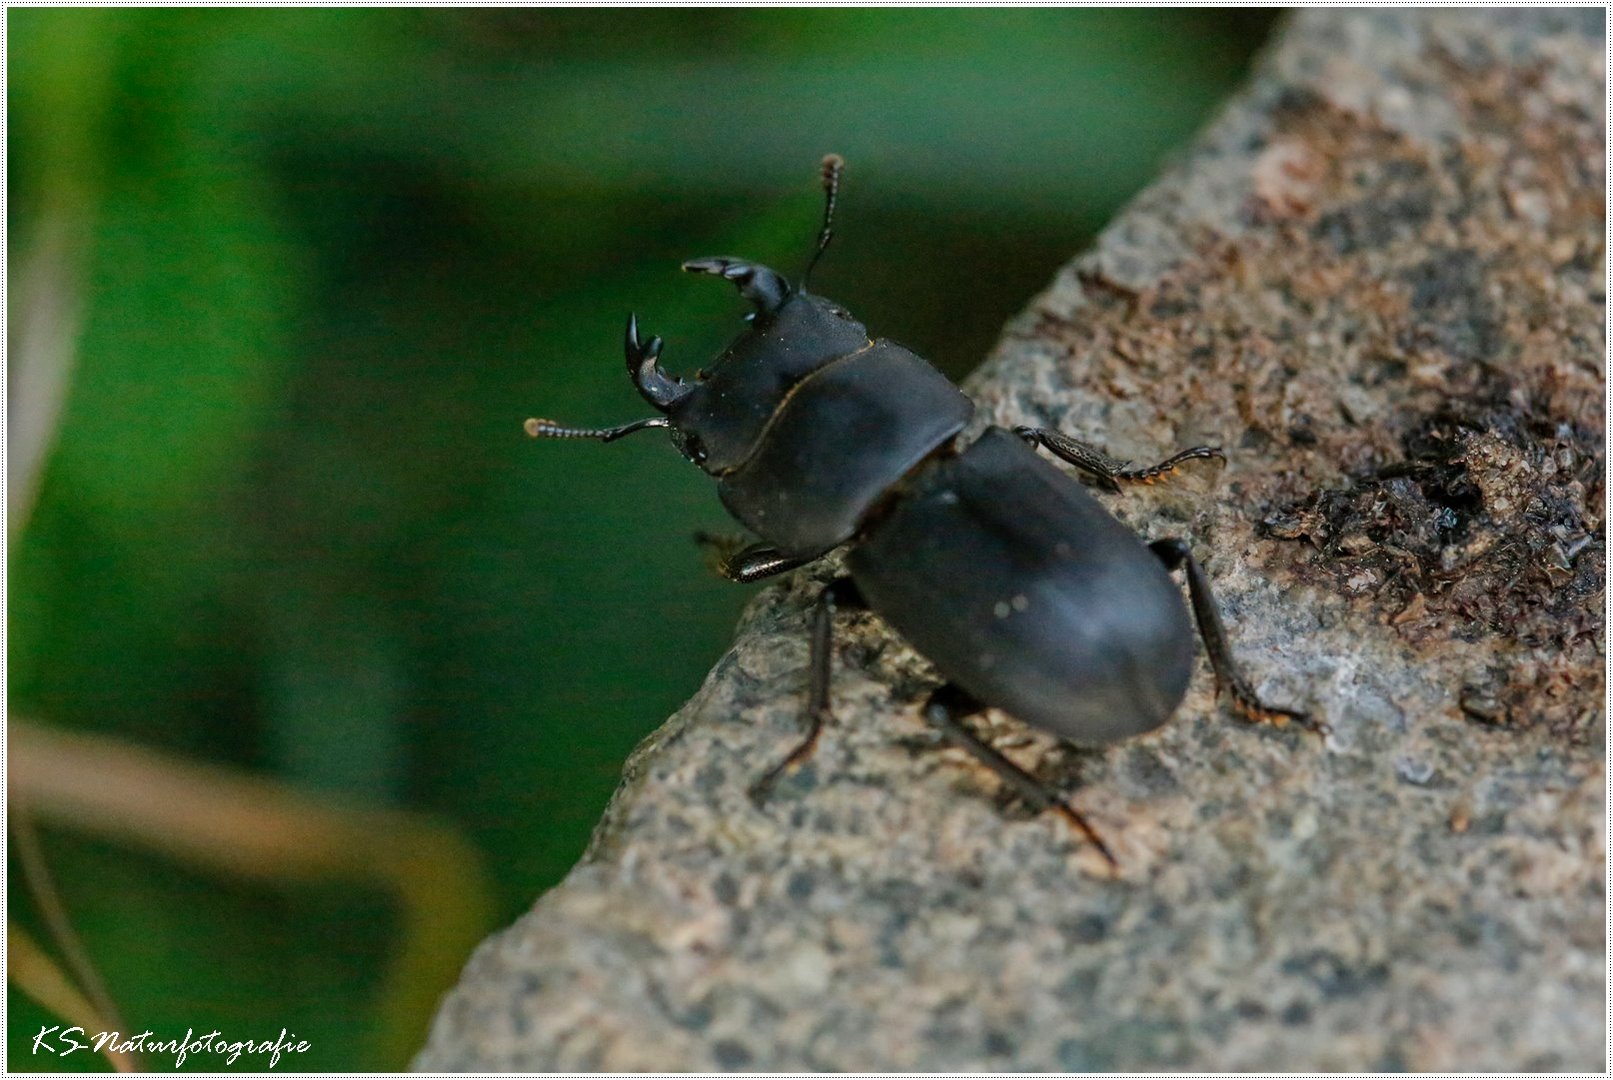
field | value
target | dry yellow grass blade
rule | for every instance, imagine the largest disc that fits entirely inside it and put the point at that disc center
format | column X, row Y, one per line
column 228, row 821
column 42, row 979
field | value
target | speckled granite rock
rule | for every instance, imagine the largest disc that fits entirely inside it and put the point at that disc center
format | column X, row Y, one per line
column 1378, row 282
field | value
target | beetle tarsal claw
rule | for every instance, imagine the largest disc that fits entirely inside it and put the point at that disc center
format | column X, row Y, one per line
column 720, row 550
column 1255, row 711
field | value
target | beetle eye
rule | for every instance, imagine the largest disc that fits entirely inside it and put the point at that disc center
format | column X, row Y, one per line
column 689, row 445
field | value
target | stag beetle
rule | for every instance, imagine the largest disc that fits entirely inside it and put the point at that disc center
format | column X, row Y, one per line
column 1001, row 569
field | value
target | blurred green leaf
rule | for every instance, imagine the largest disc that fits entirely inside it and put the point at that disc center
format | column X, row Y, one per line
column 338, row 255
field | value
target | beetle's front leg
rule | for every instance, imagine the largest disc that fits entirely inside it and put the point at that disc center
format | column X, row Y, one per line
column 842, row 593
column 735, row 560
column 1175, row 553
column 945, row 711
column 1111, row 472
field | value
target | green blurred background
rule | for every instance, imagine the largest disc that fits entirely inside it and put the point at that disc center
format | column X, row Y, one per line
column 324, row 263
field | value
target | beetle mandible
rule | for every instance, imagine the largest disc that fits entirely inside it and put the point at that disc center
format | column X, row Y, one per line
column 1002, row 570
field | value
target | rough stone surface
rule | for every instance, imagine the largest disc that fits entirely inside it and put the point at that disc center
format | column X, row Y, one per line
column 1378, row 282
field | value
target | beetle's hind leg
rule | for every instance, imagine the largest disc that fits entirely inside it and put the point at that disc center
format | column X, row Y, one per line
column 840, row 594
column 1175, row 553
column 1111, row 472
column 946, row 709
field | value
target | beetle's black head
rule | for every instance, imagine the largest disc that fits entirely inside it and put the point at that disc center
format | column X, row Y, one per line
column 717, row 420
column 791, row 333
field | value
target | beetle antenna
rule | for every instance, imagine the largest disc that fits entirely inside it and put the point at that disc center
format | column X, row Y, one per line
column 548, row 429
column 833, row 166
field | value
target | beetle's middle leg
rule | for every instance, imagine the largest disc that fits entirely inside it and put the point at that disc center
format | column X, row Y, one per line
column 945, row 711
column 1111, row 472
column 1175, row 553
column 840, row 594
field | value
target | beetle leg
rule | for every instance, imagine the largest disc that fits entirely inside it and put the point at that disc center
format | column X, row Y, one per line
column 946, row 709
column 840, row 593
column 736, row 561
column 1111, row 472
column 1175, row 553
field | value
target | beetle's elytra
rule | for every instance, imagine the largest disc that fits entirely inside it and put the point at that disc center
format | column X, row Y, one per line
column 1022, row 589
